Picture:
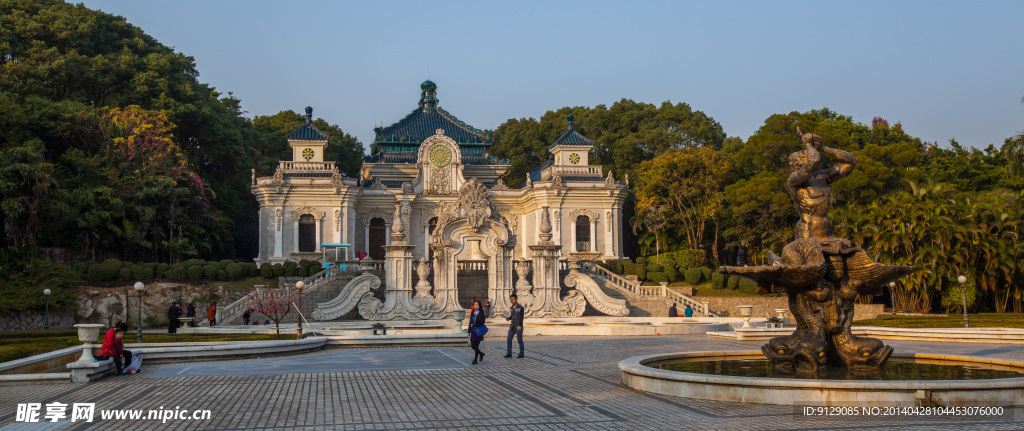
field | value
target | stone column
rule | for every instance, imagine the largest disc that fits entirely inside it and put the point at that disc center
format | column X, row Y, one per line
column 278, row 234
column 295, row 235
column 318, row 234
column 593, row 235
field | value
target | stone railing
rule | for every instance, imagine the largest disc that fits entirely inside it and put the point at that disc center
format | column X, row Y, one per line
column 576, row 170
column 472, row 265
column 290, row 166
column 640, row 291
column 234, row 310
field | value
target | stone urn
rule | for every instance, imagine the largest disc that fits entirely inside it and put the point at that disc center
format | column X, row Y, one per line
column 87, row 333
column 366, row 266
column 459, row 314
column 781, row 313
column 745, row 312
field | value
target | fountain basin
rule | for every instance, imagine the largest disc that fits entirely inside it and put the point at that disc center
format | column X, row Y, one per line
column 638, row 373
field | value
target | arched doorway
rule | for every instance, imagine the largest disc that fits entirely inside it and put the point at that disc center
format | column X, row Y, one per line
column 307, row 233
column 377, row 239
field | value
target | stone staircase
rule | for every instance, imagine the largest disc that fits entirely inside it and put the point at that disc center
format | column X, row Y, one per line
column 646, row 300
column 320, row 287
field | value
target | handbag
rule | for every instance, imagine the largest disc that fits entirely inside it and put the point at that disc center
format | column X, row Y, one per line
column 479, row 331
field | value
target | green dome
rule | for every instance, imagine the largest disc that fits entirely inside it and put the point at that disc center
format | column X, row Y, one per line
column 428, row 85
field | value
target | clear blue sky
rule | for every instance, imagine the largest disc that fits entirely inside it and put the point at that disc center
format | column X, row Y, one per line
column 944, row 69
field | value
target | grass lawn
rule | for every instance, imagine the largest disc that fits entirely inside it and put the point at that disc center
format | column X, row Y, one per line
column 982, row 320
column 22, row 344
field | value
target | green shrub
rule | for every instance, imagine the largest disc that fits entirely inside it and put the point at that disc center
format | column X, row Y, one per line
column 655, row 267
column 641, row 272
column 210, row 271
column 112, row 263
column 222, row 274
column 234, row 271
column 98, row 273
column 266, row 270
column 147, row 274
column 747, row 285
column 291, row 269
column 707, row 272
column 671, row 273
column 195, row 273
column 278, row 270
column 250, row 269
column 733, row 282
column 139, row 273
column 308, row 267
column 694, row 276
column 194, row 262
column 161, row 270
column 80, row 268
column 717, row 280
column 225, row 262
column 178, row 273
column 641, row 260
column 657, row 277
column 124, row 274
column 616, row 266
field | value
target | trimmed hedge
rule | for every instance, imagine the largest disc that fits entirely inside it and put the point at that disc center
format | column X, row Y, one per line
column 266, row 270
column 733, row 282
column 694, row 276
column 670, row 271
column 657, row 277
column 707, row 272
column 655, row 267
column 717, row 280
column 747, row 285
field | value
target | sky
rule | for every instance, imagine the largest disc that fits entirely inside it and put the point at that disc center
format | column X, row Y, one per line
column 944, row 69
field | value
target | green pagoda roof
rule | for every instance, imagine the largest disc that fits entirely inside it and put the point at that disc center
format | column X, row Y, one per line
column 308, row 132
column 571, row 137
column 423, row 123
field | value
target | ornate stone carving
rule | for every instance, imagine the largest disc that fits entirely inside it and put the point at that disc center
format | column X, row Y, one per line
column 545, row 225
column 254, row 177
column 513, row 220
column 523, row 286
column 376, row 184
column 558, row 220
column 423, row 286
column 576, row 213
column 610, row 180
column 316, row 213
column 500, row 185
column 337, row 220
column 336, row 178
column 348, row 298
column 557, row 182
column 595, row 296
column 473, row 203
column 278, row 218
column 398, row 227
column 408, row 188
column 608, row 220
column 376, row 213
column 440, row 183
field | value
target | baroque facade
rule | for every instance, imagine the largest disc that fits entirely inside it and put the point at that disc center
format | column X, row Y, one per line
column 429, row 192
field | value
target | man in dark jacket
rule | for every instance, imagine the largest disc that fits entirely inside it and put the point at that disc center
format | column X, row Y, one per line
column 515, row 326
column 190, row 311
column 173, row 314
column 673, row 311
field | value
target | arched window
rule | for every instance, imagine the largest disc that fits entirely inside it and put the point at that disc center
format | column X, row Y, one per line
column 378, row 238
column 307, row 233
column 583, row 233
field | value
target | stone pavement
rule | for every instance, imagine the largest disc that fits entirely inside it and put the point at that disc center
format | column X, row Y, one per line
column 564, row 383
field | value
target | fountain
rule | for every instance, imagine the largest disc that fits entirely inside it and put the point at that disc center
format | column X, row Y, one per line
column 822, row 362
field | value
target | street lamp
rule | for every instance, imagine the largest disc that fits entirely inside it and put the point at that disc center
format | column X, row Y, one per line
column 963, row 296
column 138, row 288
column 46, row 323
column 298, row 287
column 892, row 296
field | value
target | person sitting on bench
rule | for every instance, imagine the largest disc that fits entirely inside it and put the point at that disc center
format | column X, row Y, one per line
column 113, row 347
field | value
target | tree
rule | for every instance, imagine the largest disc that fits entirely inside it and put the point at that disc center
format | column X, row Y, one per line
column 688, row 184
column 274, row 303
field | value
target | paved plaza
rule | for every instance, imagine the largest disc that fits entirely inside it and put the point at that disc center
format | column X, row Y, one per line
column 564, row 383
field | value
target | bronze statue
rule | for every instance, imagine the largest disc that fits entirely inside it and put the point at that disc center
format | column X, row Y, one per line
column 821, row 274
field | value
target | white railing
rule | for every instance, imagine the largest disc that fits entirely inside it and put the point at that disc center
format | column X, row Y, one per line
column 575, row 170
column 640, row 291
column 290, row 166
column 472, row 265
column 235, row 309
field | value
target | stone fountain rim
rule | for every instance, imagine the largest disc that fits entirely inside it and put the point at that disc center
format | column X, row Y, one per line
column 636, row 366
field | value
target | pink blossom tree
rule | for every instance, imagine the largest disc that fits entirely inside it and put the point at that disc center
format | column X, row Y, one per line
column 275, row 303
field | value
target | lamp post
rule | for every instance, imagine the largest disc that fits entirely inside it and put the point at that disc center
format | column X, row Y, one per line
column 138, row 288
column 298, row 287
column 892, row 296
column 46, row 322
column 963, row 295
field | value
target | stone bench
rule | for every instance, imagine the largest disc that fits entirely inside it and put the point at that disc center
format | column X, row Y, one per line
column 84, row 372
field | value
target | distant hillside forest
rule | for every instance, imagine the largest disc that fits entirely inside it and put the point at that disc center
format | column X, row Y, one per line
column 112, row 148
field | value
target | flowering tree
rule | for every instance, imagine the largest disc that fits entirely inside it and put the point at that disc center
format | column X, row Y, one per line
column 274, row 303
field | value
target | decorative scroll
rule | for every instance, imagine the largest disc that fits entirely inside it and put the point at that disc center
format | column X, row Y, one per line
column 576, row 213
column 377, row 213
column 500, row 185
column 558, row 220
column 337, row 220
column 278, row 218
column 608, row 217
column 348, row 298
column 513, row 220
column 318, row 214
column 595, row 296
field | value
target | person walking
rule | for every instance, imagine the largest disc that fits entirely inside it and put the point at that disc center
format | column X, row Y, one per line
column 673, row 311
column 515, row 326
column 211, row 313
column 477, row 329
column 173, row 314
